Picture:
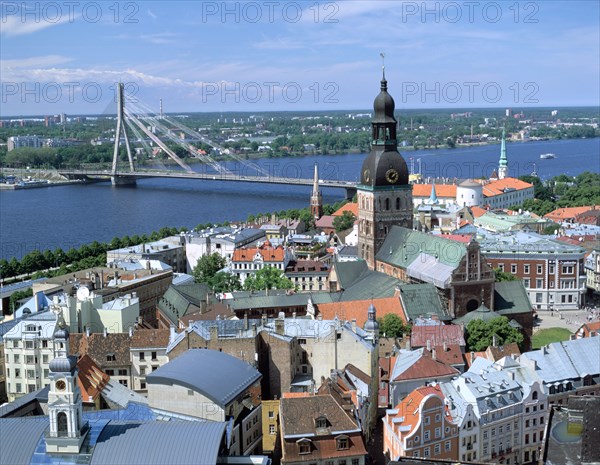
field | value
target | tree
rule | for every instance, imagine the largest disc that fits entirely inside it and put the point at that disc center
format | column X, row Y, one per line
column 207, row 267
column 392, row 326
column 480, row 333
column 503, row 276
column 267, row 278
column 225, row 282
column 341, row 223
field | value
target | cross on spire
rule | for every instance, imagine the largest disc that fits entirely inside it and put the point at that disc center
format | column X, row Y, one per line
column 382, row 55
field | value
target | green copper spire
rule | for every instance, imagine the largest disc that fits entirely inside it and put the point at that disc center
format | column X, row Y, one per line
column 503, row 160
column 503, row 165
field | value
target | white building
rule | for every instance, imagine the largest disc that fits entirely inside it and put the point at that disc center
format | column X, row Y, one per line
column 28, row 350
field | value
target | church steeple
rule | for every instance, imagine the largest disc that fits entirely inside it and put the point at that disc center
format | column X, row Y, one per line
column 316, row 199
column 503, row 164
column 384, row 194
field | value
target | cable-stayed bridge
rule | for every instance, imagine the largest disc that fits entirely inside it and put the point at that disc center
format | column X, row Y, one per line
column 138, row 118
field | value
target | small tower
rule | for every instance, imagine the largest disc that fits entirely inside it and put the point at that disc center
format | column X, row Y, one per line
column 316, row 199
column 503, row 165
column 67, row 430
column 433, row 200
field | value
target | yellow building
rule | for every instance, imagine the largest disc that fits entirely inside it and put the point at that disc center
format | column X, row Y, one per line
column 270, row 425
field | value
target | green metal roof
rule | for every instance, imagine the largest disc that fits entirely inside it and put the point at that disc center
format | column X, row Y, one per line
column 510, row 297
column 481, row 313
column 422, row 300
column 403, row 246
column 177, row 301
column 348, row 273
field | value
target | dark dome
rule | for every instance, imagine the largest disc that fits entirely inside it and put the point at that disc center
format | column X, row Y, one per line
column 61, row 333
column 63, row 364
column 384, row 168
column 384, row 106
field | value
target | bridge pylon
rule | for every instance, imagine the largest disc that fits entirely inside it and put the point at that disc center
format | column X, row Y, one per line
column 121, row 180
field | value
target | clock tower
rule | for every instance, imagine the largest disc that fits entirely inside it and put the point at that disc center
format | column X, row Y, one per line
column 384, row 194
column 67, row 430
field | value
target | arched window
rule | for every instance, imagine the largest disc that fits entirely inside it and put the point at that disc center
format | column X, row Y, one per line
column 397, row 203
column 534, row 396
column 387, row 204
column 61, row 424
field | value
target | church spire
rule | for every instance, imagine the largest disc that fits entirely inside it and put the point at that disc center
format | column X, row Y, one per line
column 503, row 165
column 433, row 196
column 316, row 199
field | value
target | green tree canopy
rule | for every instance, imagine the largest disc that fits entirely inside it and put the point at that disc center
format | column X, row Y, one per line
column 225, row 282
column 480, row 333
column 207, row 267
column 391, row 325
column 267, row 278
column 345, row 221
column 503, row 276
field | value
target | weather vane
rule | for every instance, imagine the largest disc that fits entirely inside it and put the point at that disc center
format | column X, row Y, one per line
column 382, row 55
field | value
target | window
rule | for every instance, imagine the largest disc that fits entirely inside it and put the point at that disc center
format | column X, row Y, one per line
column 567, row 269
column 321, row 422
column 271, row 414
column 527, row 439
column 17, row 373
column 342, row 443
column 143, row 385
column 447, row 445
column 416, row 439
column 416, row 453
column 438, row 432
column 426, row 436
column 427, row 419
column 15, row 344
column 513, row 268
column 29, row 344
column 122, row 372
column 437, row 450
column 526, row 269
column 142, row 371
column 17, row 358
column 29, row 359
column 538, row 297
column 485, row 434
column 501, row 266
column 110, row 372
column 500, row 429
column 526, row 423
column 123, row 382
column 493, row 432
column 438, row 417
column 111, row 357
column 44, row 358
column 45, row 343
column 153, row 355
column 539, row 283
column 271, row 429
column 551, row 268
column 142, row 356
column 540, row 269
column 355, row 461
column 426, row 452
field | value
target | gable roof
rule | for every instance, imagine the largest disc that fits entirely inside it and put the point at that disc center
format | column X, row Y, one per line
column 229, row 376
column 407, row 414
column 437, row 335
column 267, row 252
column 180, row 300
column 91, row 379
column 150, row 339
column 99, row 347
column 568, row 213
column 511, row 297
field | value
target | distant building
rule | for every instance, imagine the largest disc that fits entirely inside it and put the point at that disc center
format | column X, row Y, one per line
column 166, row 252
column 15, row 142
column 308, row 275
column 247, row 261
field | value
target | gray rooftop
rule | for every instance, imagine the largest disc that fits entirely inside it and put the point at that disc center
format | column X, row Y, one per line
column 229, row 376
column 19, row 438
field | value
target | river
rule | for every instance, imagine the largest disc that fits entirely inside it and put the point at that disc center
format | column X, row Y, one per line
column 69, row 216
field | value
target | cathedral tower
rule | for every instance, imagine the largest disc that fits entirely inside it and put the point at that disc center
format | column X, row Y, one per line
column 384, row 194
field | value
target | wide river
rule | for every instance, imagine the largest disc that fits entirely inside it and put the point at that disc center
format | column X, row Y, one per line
column 70, row 216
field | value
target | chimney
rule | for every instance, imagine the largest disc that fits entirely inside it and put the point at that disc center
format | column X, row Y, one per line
column 445, row 346
column 428, row 345
column 279, row 326
column 105, row 332
column 214, row 333
column 263, row 319
column 408, row 343
column 131, row 331
column 433, row 354
column 245, row 321
column 172, row 333
column 494, row 341
column 353, row 325
column 472, row 357
column 254, row 329
column 87, row 331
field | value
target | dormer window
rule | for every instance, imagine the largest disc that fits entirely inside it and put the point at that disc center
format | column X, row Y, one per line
column 304, row 446
column 321, row 423
column 342, row 443
column 111, row 357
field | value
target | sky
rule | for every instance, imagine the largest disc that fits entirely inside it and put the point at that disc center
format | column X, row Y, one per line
column 65, row 57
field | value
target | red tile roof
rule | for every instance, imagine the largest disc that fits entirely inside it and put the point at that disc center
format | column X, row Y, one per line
column 325, row 222
column 478, row 211
column 464, row 238
column 150, row 338
column 426, row 367
column 409, row 408
column 569, row 213
column 348, row 207
column 492, row 188
column 357, row 309
column 446, row 191
column 267, row 251
column 91, row 379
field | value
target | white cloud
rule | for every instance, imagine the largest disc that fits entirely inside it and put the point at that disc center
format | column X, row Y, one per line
column 16, row 25
column 151, row 14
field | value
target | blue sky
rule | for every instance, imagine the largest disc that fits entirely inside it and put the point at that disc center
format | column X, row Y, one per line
column 261, row 56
